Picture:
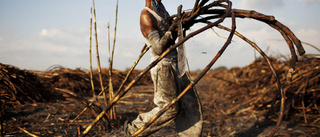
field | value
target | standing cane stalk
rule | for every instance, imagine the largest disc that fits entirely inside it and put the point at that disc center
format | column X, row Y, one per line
column 90, row 53
column 110, row 73
column 97, row 49
column 112, row 111
column 90, row 62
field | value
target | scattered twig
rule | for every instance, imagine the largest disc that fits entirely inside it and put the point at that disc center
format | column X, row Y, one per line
column 27, row 132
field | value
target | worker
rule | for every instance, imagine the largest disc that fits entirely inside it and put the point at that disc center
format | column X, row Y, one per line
column 154, row 24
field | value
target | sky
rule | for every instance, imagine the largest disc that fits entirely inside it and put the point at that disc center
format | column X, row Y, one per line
column 37, row 34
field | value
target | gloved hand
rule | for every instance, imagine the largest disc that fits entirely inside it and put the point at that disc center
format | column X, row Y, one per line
column 174, row 31
column 158, row 45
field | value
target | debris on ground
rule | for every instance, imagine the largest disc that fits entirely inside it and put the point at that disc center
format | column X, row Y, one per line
column 236, row 102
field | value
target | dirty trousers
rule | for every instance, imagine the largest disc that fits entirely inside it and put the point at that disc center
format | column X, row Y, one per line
column 186, row 114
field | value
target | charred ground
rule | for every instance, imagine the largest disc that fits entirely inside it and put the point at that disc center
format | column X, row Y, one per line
column 236, row 102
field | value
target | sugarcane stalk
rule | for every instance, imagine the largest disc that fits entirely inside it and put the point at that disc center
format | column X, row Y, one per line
column 97, row 52
column 90, row 53
column 97, row 48
column 110, row 74
column 195, row 6
column 112, row 111
column 90, row 62
column 287, row 34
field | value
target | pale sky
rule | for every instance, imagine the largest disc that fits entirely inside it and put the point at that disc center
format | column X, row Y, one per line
column 35, row 34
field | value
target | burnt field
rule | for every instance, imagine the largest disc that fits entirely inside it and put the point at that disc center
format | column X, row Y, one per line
column 235, row 102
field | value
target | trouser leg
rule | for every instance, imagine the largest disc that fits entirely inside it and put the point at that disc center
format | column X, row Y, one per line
column 189, row 121
column 163, row 76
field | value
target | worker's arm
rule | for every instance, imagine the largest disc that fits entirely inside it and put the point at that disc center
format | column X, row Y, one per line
column 149, row 30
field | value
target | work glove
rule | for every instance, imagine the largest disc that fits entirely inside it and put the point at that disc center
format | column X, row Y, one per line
column 158, row 45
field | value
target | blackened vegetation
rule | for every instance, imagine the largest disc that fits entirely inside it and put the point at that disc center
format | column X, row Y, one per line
column 254, row 89
column 20, row 87
column 245, row 101
column 237, row 102
column 240, row 101
column 30, row 99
